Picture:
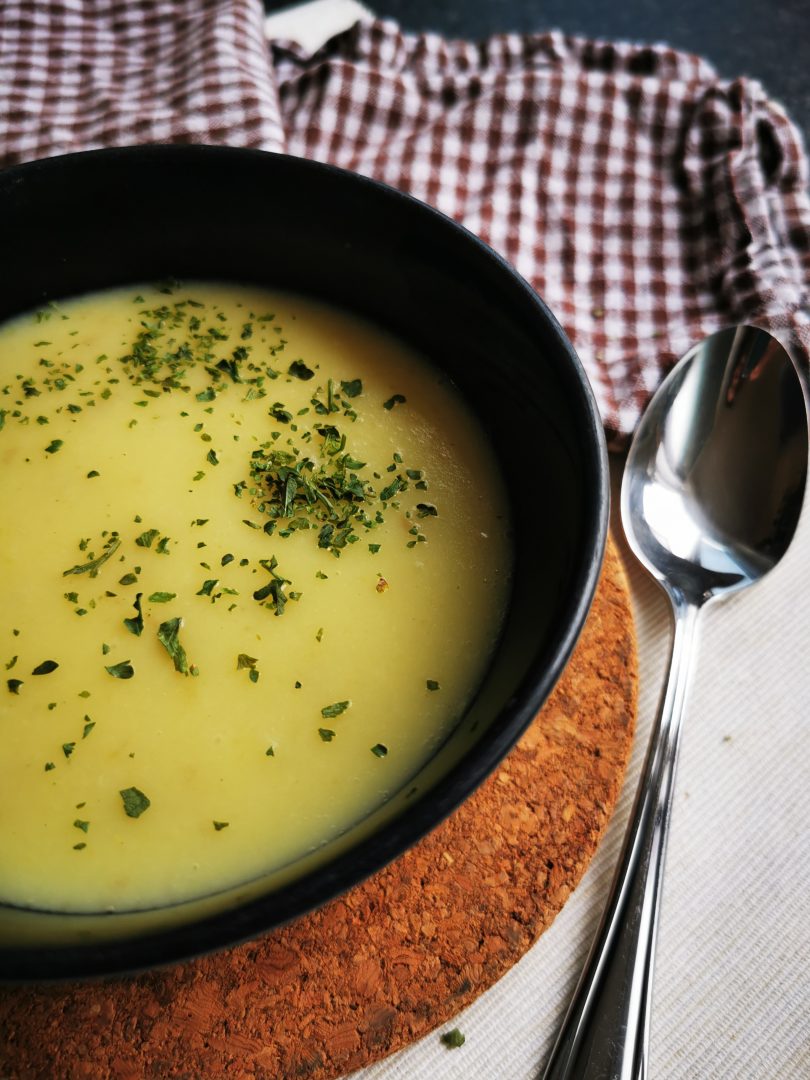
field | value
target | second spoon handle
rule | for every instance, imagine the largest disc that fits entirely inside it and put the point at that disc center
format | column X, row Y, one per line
column 605, row 1035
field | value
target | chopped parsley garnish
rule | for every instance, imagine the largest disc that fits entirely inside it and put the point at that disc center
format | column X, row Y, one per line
column 390, row 491
column 305, row 494
column 146, row 539
column 431, row 684
column 80, row 847
column 273, row 591
column 220, row 825
column 300, row 370
column 92, row 473
column 135, row 802
column 207, row 587
column 161, row 597
column 380, row 750
column 212, row 458
column 54, row 445
column 328, row 712
column 11, row 663
column 49, row 765
column 352, row 388
column 168, row 637
column 68, row 748
column 452, row 1039
column 243, row 661
column 94, row 565
column 124, row 670
column 397, row 399
column 45, row 668
column 326, row 734
column 83, row 825
column 135, row 624
column 88, row 726
column 128, row 579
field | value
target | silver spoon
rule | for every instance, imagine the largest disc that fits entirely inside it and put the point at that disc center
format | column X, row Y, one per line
column 711, row 495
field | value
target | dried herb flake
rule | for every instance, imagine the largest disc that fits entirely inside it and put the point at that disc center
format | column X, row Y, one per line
column 328, row 712
column 45, row 668
column 124, row 670
column 452, row 1039
column 135, row 802
column 135, row 624
column 168, row 637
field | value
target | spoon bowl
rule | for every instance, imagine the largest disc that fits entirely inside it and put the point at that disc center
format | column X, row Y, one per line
column 714, row 481
column 711, row 497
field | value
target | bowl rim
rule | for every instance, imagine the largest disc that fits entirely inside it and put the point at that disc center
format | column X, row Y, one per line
column 316, row 886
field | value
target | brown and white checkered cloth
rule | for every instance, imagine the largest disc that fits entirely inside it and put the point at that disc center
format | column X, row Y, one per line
column 648, row 201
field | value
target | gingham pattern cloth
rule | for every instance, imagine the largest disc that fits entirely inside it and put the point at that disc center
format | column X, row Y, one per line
column 648, row 201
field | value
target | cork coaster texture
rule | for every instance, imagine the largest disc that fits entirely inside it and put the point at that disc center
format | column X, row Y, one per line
column 396, row 956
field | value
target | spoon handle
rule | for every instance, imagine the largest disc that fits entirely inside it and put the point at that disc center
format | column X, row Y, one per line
column 605, row 1035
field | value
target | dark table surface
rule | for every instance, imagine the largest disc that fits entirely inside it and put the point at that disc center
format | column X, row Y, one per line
column 768, row 40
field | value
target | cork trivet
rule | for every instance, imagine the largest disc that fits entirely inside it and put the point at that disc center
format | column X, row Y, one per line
column 396, row 956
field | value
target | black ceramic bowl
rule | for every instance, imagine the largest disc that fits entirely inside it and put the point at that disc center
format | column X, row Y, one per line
column 84, row 222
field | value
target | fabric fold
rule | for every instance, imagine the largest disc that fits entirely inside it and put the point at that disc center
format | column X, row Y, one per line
column 83, row 74
column 624, row 182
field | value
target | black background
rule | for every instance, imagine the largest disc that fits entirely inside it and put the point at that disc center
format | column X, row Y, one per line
column 762, row 39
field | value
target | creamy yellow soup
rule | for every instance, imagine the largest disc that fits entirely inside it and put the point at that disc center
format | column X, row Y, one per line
column 253, row 558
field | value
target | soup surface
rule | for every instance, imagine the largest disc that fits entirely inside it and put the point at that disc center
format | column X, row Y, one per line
column 253, row 558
